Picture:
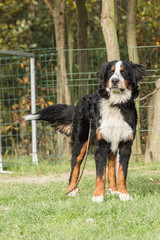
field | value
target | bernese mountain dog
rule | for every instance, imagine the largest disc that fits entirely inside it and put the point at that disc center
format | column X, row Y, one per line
column 114, row 118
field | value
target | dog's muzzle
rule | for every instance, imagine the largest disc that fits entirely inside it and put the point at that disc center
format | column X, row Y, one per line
column 115, row 86
column 115, row 89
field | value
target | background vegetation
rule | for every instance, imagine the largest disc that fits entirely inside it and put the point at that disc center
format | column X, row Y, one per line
column 65, row 75
column 29, row 24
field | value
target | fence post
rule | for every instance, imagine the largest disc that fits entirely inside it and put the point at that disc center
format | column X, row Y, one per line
column 1, row 167
column 33, row 109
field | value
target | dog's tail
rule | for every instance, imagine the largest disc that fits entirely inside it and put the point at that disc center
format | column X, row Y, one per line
column 59, row 115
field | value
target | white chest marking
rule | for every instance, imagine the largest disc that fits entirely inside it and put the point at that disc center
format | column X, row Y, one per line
column 116, row 98
column 112, row 127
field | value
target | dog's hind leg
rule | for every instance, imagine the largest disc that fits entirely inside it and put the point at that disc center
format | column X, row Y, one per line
column 101, row 152
column 78, row 152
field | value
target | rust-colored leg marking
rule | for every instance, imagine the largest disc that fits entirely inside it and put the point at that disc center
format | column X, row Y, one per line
column 74, row 179
column 99, row 136
column 131, row 138
column 76, row 169
column 122, row 188
column 111, row 172
column 100, row 185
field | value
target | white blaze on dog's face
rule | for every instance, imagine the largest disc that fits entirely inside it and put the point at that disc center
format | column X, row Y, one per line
column 117, row 81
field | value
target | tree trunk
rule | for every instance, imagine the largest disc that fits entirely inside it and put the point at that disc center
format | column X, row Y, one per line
column 131, row 31
column 133, row 56
column 71, row 57
column 116, row 18
column 57, row 9
column 109, row 30
column 70, row 46
column 150, row 124
column 153, row 150
column 82, row 24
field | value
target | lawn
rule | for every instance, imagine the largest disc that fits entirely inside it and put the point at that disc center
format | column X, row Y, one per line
column 40, row 209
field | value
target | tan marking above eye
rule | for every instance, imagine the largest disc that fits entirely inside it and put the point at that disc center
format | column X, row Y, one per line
column 122, row 69
column 113, row 68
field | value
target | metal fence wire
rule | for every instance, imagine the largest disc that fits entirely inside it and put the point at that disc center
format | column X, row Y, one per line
column 81, row 68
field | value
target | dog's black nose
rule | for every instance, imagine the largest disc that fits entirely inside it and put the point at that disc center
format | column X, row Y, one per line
column 115, row 81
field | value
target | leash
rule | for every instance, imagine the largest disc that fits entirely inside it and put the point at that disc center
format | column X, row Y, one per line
column 85, row 159
column 150, row 94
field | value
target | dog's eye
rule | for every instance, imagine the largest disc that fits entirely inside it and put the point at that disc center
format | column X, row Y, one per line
column 123, row 72
column 111, row 72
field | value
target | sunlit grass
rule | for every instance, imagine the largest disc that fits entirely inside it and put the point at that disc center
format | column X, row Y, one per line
column 25, row 167
column 42, row 211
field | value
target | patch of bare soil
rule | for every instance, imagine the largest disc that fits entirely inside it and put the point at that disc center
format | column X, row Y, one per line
column 41, row 179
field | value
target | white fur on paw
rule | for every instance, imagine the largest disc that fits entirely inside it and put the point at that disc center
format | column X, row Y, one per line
column 125, row 197
column 74, row 193
column 109, row 191
column 98, row 199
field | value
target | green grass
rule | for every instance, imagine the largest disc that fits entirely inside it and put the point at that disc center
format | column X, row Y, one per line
column 42, row 211
column 25, row 167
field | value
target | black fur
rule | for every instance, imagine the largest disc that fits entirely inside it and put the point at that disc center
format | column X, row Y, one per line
column 59, row 115
column 77, row 118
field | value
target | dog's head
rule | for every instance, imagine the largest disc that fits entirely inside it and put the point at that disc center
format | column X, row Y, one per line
column 120, row 79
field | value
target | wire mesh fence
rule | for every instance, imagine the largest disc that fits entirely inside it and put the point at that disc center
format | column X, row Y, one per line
column 17, row 71
column 79, row 68
column 14, row 77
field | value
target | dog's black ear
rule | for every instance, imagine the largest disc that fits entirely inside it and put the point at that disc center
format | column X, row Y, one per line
column 102, row 71
column 138, row 70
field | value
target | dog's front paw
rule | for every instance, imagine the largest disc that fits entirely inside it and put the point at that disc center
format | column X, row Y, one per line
column 125, row 197
column 74, row 193
column 98, row 199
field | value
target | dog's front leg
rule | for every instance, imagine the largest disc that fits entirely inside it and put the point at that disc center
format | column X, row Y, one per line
column 101, row 152
column 112, row 188
column 124, row 155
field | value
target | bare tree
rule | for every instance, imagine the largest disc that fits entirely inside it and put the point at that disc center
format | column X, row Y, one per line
column 57, row 9
column 133, row 56
column 82, row 24
column 116, row 17
column 153, row 149
column 131, row 31
column 109, row 29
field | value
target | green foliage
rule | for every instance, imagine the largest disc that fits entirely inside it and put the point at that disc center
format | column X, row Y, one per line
column 148, row 18
column 28, row 24
column 25, row 24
